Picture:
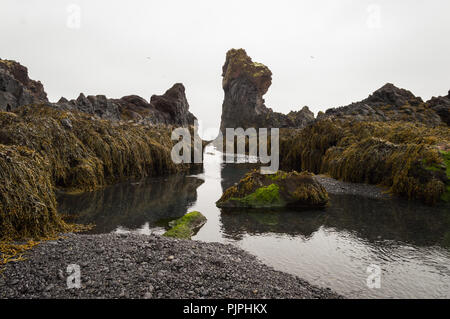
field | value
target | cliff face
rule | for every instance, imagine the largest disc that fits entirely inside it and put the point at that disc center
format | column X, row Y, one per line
column 245, row 82
column 16, row 88
column 171, row 108
column 389, row 103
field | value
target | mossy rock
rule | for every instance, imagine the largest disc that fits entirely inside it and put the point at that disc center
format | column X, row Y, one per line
column 282, row 189
column 186, row 226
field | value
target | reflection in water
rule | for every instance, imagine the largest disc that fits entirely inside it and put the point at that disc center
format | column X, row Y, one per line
column 331, row 247
column 371, row 219
column 132, row 205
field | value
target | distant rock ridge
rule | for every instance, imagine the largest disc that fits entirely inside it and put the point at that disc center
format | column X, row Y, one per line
column 171, row 108
column 389, row 103
column 245, row 82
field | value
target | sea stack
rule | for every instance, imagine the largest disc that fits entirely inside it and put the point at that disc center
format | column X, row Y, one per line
column 244, row 83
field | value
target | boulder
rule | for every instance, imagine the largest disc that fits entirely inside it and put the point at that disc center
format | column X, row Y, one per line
column 186, row 226
column 282, row 189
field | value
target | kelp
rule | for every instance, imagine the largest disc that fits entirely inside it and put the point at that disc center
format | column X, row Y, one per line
column 407, row 157
column 27, row 200
column 86, row 153
column 27, row 203
column 42, row 148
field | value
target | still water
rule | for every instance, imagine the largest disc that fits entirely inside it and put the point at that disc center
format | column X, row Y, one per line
column 331, row 248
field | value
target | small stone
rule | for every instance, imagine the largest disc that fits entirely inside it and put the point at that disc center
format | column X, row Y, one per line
column 148, row 295
column 171, row 257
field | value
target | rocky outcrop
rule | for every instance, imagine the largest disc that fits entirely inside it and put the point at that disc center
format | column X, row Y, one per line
column 282, row 189
column 97, row 105
column 174, row 106
column 171, row 108
column 16, row 88
column 389, row 103
column 186, row 226
column 441, row 105
column 245, row 82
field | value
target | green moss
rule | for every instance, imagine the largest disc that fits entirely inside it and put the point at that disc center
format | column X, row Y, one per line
column 277, row 176
column 186, row 226
column 268, row 196
column 446, row 157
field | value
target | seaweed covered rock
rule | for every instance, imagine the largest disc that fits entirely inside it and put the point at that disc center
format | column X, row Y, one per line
column 245, row 82
column 186, row 226
column 282, row 189
column 85, row 153
column 405, row 156
column 27, row 200
column 16, row 88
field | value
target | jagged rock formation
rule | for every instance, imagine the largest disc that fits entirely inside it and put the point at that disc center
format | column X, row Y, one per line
column 174, row 106
column 389, row 103
column 171, row 108
column 97, row 105
column 245, row 82
column 16, row 88
column 441, row 105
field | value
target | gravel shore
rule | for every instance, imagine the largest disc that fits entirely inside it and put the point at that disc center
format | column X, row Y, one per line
column 141, row 266
column 337, row 187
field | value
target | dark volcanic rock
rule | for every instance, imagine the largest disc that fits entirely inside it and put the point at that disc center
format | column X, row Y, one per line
column 97, row 105
column 441, row 105
column 245, row 82
column 170, row 108
column 389, row 103
column 16, row 88
column 174, row 105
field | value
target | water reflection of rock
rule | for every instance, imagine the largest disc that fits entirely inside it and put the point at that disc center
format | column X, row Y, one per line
column 131, row 205
column 369, row 219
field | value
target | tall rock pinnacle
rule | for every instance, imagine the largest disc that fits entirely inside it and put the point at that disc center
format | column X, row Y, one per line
column 244, row 83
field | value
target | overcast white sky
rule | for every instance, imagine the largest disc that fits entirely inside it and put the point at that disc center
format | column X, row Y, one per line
column 323, row 53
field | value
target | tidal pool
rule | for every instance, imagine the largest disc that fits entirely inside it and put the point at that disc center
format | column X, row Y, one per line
column 331, row 248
